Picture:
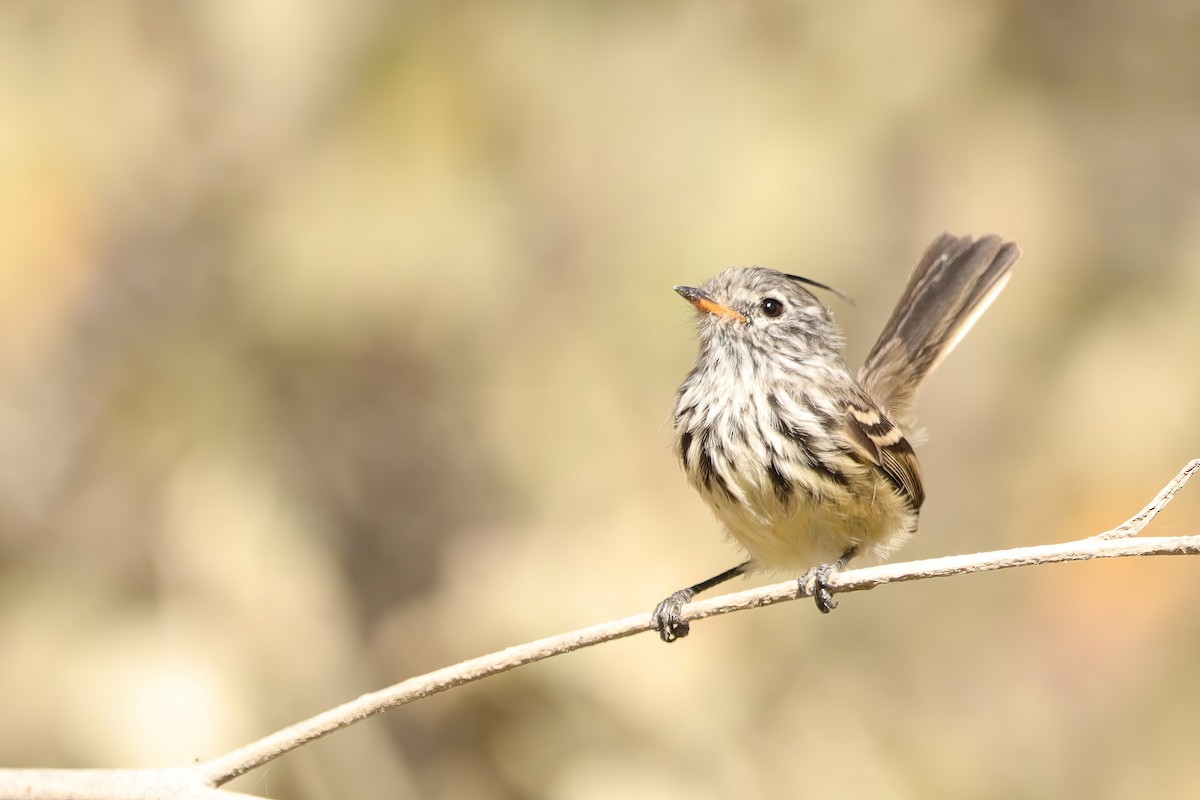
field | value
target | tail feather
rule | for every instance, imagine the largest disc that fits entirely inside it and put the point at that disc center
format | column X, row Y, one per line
column 952, row 285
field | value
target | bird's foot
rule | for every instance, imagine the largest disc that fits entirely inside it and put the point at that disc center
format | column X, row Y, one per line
column 667, row 617
column 815, row 584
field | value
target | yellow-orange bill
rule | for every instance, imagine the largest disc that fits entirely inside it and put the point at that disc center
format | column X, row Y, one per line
column 704, row 301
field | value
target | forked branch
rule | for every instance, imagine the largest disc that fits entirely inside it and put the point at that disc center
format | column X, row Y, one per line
column 201, row 780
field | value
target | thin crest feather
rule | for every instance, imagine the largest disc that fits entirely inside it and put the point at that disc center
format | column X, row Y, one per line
column 819, row 285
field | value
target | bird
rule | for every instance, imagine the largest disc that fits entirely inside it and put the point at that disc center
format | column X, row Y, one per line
column 805, row 464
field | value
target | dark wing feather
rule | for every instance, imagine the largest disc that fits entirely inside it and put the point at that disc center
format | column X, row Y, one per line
column 879, row 443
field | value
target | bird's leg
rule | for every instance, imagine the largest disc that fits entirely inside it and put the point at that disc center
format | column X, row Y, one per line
column 666, row 617
column 818, row 579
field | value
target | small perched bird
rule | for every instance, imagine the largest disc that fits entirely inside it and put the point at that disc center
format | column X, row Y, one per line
column 805, row 465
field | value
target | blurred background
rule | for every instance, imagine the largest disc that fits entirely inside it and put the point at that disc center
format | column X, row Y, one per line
column 337, row 344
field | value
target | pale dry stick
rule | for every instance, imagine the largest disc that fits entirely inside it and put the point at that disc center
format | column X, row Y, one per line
column 1137, row 523
column 170, row 783
column 198, row 782
column 239, row 761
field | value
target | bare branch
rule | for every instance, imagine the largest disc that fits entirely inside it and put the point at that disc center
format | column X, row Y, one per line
column 246, row 758
column 176, row 783
column 198, row 782
column 1136, row 524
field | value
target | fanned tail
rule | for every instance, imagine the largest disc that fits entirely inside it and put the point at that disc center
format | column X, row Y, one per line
column 951, row 286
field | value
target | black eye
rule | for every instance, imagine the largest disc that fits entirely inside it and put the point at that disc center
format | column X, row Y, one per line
column 771, row 307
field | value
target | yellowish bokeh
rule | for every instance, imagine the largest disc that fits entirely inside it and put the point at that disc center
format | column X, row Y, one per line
column 337, row 343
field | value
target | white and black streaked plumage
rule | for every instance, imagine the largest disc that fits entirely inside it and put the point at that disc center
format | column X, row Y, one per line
column 803, row 463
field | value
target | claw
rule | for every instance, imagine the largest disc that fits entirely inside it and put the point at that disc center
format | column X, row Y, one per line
column 667, row 617
column 815, row 584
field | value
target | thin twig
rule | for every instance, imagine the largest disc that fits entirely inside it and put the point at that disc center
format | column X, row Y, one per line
column 246, row 758
column 1137, row 523
column 198, row 782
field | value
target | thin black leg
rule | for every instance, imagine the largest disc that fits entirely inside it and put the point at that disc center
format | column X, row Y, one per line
column 667, row 618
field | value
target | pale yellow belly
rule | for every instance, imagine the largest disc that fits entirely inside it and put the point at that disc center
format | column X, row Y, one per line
column 800, row 534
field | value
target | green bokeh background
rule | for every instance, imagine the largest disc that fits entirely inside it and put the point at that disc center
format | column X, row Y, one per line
column 337, row 344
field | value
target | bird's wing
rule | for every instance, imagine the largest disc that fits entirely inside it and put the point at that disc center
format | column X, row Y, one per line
column 877, row 442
